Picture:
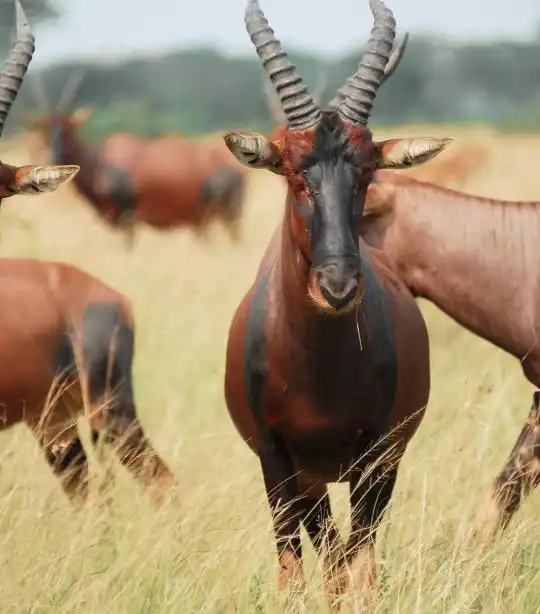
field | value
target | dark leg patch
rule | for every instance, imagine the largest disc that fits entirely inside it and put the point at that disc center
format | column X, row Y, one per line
column 119, row 189
column 522, row 471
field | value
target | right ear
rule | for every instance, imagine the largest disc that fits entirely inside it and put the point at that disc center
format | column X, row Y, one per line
column 406, row 153
column 253, row 150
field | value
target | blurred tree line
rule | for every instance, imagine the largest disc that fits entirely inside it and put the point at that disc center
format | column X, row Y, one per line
column 200, row 90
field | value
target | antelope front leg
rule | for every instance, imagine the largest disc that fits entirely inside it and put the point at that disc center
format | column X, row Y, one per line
column 320, row 526
column 371, row 486
column 282, row 492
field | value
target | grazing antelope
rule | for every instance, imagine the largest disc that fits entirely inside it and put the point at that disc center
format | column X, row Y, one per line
column 482, row 270
column 167, row 182
column 327, row 366
column 66, row 339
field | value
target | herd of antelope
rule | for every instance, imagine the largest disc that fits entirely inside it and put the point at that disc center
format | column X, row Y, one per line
column 327, row 365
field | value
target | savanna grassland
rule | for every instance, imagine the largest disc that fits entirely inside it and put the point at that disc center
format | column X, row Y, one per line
column 212, row 550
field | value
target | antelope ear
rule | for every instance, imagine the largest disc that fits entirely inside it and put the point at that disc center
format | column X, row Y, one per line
column 82, row 115
column 253, row 150
column 41, row 179
column 404, row 153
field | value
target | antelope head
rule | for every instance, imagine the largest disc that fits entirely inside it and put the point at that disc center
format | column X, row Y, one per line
column 328, row 157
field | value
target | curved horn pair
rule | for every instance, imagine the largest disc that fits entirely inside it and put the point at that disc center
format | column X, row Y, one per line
column 67, row 95
column 16, row 65
column 359, row 91
column 389, row 70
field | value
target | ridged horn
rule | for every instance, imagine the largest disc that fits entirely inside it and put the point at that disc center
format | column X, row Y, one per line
column 361, row 89
column 297, row 103
column 393, row 63
column 16, row 65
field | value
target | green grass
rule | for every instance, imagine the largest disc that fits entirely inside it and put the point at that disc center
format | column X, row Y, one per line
column 213, row 551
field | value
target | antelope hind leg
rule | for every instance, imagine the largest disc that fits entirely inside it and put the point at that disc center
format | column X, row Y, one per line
column 520, row 475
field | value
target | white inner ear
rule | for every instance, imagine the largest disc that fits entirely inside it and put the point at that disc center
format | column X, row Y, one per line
column 46, row 178
column 419, row 151
column 251, row 149
column 249, row 155
column 415, row 151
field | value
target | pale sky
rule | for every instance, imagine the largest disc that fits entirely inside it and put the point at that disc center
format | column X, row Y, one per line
column 119, row 28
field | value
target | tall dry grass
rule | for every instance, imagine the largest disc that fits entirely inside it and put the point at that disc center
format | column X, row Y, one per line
column 214, row 552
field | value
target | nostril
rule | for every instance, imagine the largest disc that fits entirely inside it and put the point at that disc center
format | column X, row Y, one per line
column 331, row 270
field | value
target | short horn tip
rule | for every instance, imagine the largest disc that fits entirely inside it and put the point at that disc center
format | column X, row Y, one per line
column 375, row 5
column 21, row 19
column 252, row 6
column 379, row 10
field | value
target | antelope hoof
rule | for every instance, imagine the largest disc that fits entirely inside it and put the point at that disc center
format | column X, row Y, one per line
column 489, row 521
column 361, row 574
column 291, row 577
column 336, row 583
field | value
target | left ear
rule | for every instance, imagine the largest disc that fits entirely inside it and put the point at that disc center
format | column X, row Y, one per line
column 404, row 153
column 41, row 179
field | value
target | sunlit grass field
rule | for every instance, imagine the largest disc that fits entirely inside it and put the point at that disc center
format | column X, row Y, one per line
column 212, row 550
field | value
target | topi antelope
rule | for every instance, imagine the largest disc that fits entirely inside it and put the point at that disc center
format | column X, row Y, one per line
column 327, row 367
column 164, row 183
column 481, row 270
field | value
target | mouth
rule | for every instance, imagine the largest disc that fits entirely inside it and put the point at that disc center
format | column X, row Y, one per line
column 337, row 302
column 332, row 302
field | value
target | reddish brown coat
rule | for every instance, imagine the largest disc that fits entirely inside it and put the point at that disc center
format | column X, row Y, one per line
column 167, row 182
column 328, row 351
column 53, row 314
column 477, row 260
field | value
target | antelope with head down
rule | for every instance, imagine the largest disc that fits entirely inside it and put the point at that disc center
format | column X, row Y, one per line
column 66, row 341
column 327, row 367
column 165, row 183
column 477, row 260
